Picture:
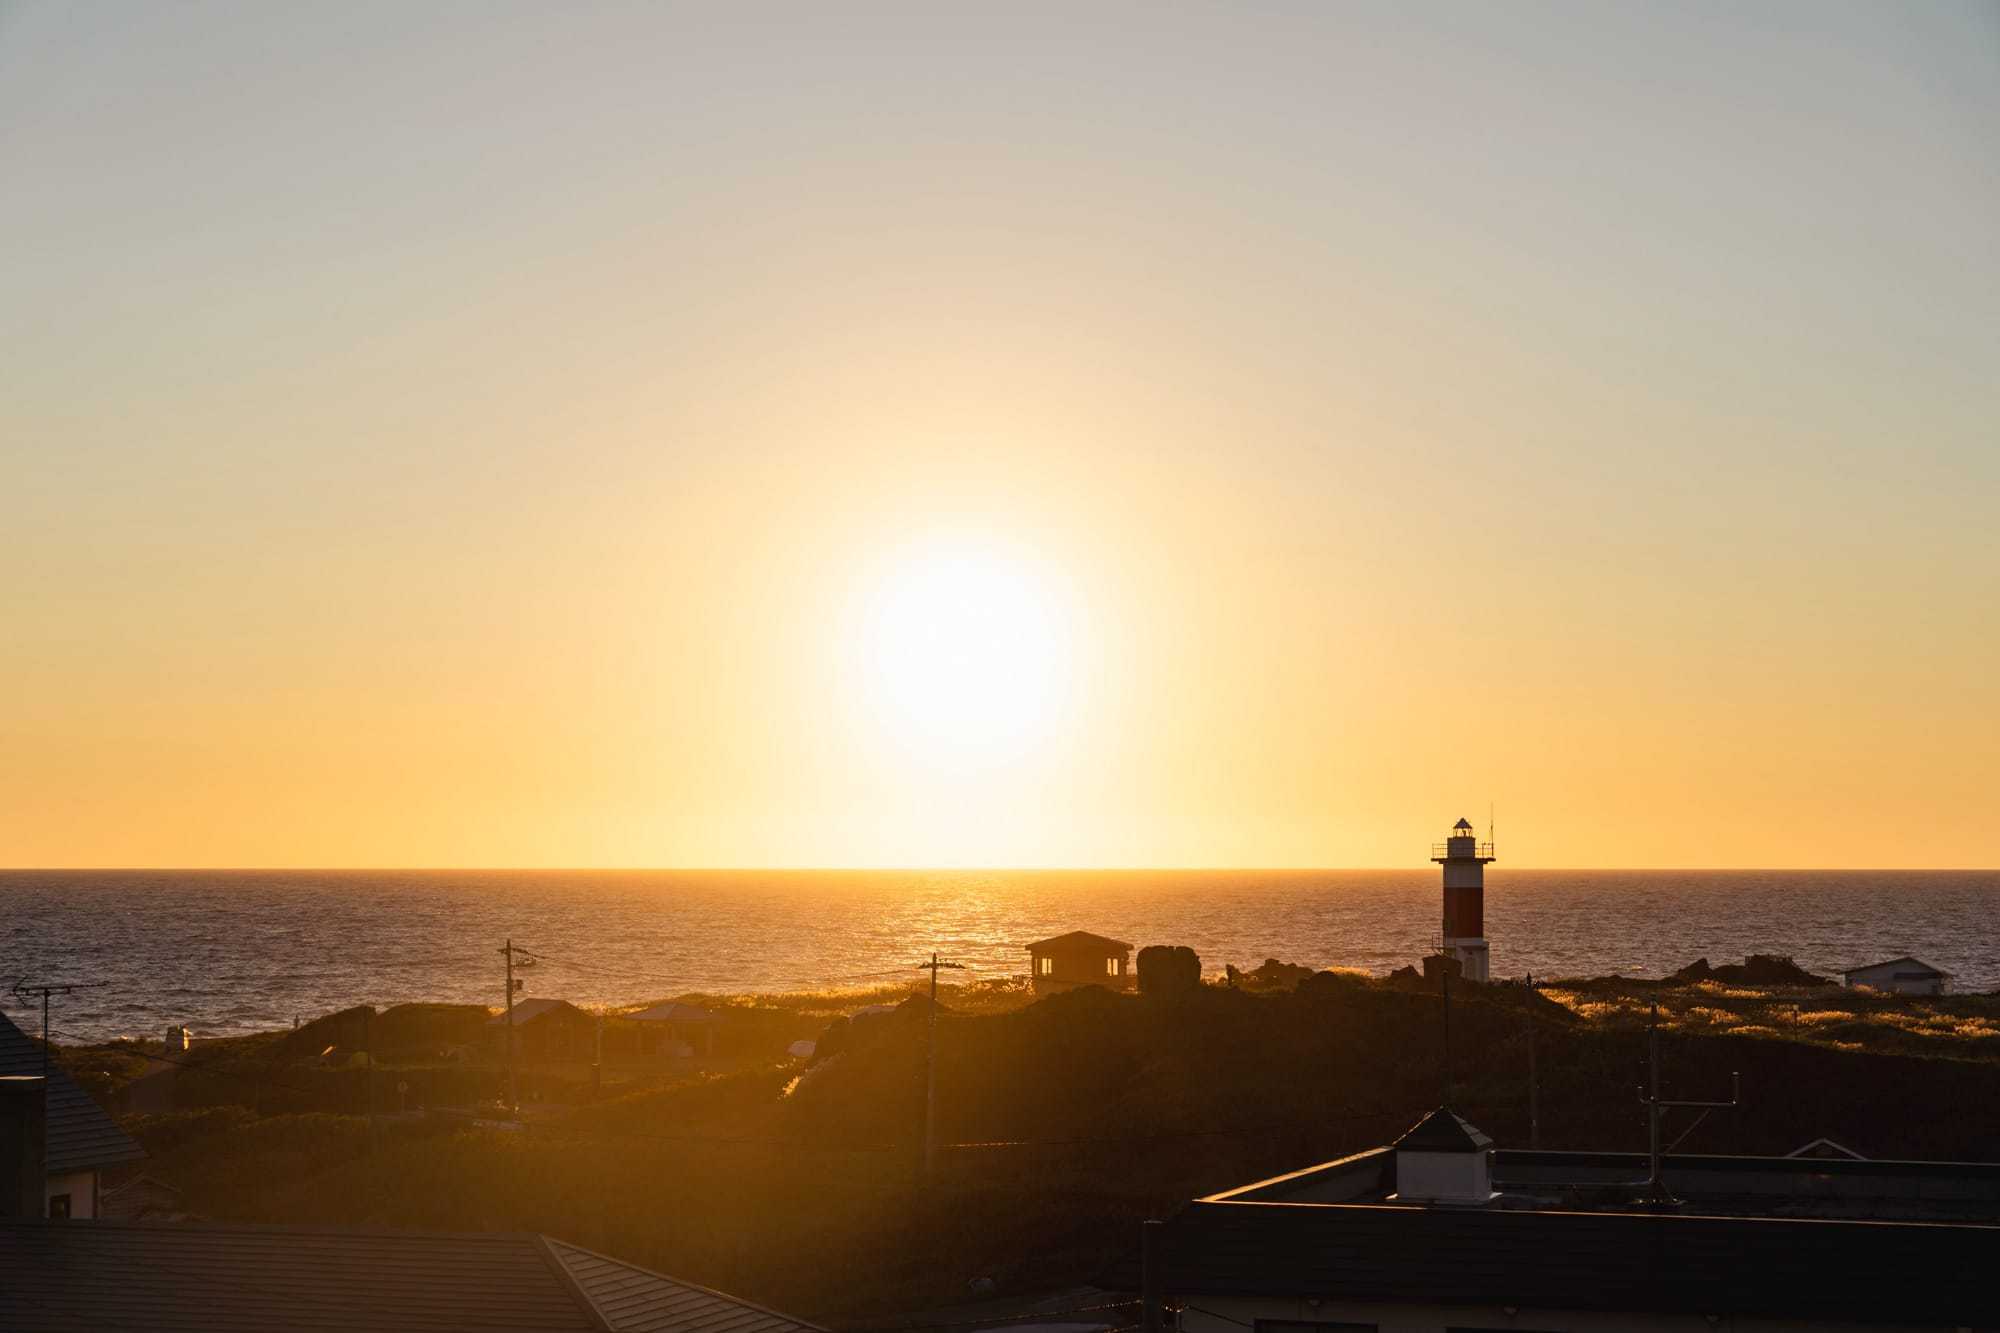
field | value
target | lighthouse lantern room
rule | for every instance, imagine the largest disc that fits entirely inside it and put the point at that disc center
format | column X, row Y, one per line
column 1464, row 859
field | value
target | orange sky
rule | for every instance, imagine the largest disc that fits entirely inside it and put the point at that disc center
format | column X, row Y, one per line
column 1025, row 439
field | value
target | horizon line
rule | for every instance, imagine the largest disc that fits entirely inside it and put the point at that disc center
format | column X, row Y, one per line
column 938, row 869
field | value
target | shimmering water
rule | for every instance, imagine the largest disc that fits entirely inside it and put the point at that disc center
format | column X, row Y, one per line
column 239, row 951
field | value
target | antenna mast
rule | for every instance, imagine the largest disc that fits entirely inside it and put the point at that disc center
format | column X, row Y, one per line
column 1656, row 1113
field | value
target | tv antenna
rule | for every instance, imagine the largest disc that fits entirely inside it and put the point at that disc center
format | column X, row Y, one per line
column 1657, row 1108
column 26, row 991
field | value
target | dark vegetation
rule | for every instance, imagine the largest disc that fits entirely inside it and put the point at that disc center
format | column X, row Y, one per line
column 1070, row 1119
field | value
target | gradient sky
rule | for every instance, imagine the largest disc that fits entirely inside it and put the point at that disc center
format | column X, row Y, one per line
column 474, row 434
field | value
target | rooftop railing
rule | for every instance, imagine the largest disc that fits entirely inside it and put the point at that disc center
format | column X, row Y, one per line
column 1479, row 849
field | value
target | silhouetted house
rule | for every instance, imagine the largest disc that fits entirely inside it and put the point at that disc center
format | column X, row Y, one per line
column 676, row 1029
column 142, row 1196
column 1079, row 959
column 1441, row 1231
column 79, row 1139
column 191, row 1277
column 1899, row 976
column 1825, row 1149
column 547, row 1030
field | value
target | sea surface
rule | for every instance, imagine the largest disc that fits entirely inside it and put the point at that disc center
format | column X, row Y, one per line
column 239, row 951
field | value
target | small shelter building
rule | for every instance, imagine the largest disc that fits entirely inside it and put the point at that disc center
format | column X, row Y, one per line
column 676, row 1030
column 1898, row 976
column 547, row 1029
column 1064, row 962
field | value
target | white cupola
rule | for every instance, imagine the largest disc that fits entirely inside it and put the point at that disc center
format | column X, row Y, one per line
column 1444, row 1160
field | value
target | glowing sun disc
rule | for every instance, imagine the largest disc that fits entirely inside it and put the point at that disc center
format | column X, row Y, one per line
column 965, row 651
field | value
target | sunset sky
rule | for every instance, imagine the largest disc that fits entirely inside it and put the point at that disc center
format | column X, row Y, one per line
column 1085, row 434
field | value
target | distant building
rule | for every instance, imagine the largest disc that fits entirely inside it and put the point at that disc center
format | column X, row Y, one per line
column 1440, row 1231
column 140, row 1197
column 1079, row 958
column 1464, row 859
column 547, row 1030
column 191, row 1277
column 1826, row 1149
column 1899, row 976
column 676, row 1029
column 80, row 1139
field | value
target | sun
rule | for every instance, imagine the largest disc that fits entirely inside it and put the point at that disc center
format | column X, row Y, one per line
column 966, row 651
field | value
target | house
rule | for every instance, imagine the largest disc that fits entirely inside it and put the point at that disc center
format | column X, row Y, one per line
column 1442, row 1231
column 1826, row 1149
column 546, row 1030
column 141, row 1196
column 1079, row 958
column 191, row 1277
column 81, row 1139
column 1898, row 976
column 676, row 1029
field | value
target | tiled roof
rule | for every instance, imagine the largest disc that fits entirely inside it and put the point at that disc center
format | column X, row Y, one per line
column 635, row 1300
column 81, row 1136
column 169, row 1277
column 1079, row 939
column 1631, row 1262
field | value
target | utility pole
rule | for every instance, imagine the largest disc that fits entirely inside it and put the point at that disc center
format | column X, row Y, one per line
column 527, row 960
column 1534, row 1092
column 1444, row 980
column 930, row 1071
column 24, row 991
column 1656, row 1113
column 1534, row 1081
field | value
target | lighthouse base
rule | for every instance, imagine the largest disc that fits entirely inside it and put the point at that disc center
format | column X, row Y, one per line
column 1471, row 956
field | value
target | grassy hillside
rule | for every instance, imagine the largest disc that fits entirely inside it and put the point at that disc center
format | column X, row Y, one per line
column 1070, row 1119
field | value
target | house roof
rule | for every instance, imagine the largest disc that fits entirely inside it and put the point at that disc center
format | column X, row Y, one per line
column 1826, row 1148
column 527, row 1011
column 641, row 1301
column 1079, row 939
column 81, row 1135
column 172, row 1277
column 675, row 1012
column 1922, row 968
column 1443, row 1130
column 1631, row 1262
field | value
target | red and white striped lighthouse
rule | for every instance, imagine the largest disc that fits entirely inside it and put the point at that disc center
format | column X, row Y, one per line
column 1464, row 859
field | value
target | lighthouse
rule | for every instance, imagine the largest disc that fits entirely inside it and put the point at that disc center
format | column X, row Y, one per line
column 1464, row 859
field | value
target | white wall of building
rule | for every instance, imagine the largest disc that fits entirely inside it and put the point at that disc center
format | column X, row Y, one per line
column 81, row 1186
column 1450, row 1177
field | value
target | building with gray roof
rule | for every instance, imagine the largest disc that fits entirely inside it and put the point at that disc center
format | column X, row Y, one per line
column 179, row 1277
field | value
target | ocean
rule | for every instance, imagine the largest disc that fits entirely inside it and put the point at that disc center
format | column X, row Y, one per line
column 246, row 950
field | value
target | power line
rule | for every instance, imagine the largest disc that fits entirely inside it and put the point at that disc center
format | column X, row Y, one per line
column 638, row 975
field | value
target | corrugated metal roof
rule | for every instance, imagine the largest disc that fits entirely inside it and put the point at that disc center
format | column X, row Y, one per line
column 636, row 1300
column 177, row 1277
column 81, row 1136
column 168, row 1277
